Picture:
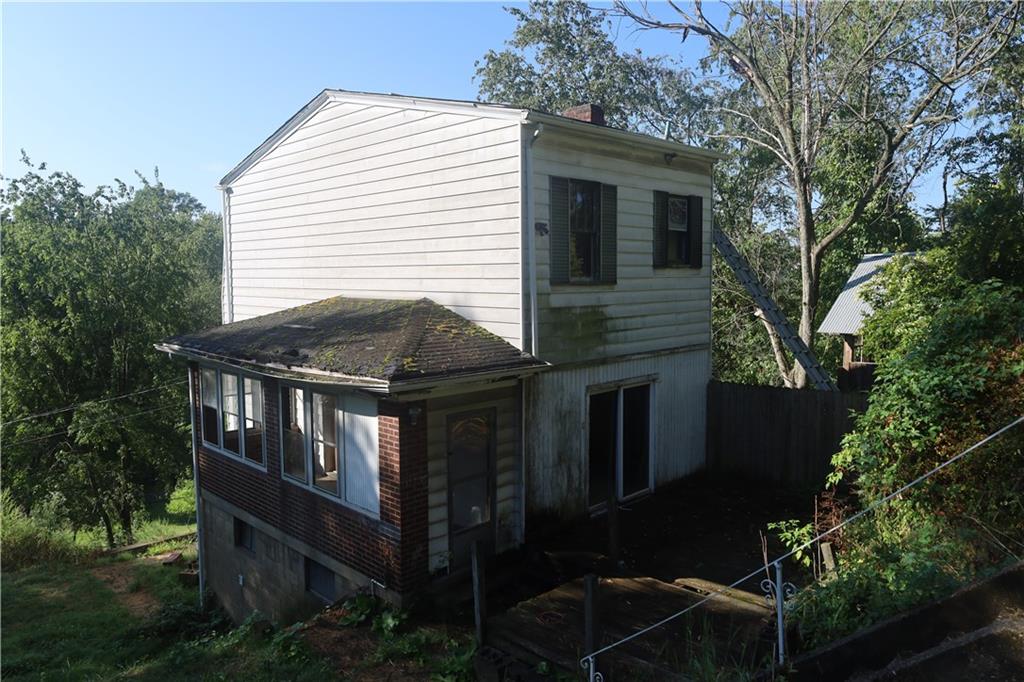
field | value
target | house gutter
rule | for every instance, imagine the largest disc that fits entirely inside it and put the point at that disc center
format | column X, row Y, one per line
column 228, row 289
column 199, row 506
column 281, row 371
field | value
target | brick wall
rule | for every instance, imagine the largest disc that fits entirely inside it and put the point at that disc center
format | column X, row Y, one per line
column 392, row 549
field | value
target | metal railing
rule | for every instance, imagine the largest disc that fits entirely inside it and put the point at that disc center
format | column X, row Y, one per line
column 776, row 589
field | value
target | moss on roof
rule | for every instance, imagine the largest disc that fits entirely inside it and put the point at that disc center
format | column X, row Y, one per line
column 391, row 340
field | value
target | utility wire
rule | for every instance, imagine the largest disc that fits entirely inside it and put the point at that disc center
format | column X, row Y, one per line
column 104, row 400
column 870, row 508
column 104, row 421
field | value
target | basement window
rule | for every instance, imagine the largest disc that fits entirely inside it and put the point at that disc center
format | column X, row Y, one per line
column 244, row 535
column 320, row 580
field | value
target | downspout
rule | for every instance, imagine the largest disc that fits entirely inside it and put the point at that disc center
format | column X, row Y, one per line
column 531, row 271
column 227, row 287
column 195, row 482
column 531, row 248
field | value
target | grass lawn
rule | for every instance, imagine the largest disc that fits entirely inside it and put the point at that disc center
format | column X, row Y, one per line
column 132, row 620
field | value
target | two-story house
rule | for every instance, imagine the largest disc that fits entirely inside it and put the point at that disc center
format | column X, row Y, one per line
column 444, row 323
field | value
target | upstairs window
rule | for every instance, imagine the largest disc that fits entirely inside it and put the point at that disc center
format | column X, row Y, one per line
column 339, row 445
column 584, row 231
column 678, row 230
column 232, row 422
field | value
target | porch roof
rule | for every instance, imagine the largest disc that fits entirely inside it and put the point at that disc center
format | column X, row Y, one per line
column 368, row 341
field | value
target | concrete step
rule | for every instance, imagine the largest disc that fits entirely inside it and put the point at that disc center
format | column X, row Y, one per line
column 994, row 652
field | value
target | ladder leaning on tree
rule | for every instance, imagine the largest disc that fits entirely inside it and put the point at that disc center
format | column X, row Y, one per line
column 771, row 313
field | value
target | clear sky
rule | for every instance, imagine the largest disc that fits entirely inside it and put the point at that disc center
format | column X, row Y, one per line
column 103, row 90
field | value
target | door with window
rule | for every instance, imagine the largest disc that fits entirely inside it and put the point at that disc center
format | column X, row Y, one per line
column 471, row 484
column 619, row 442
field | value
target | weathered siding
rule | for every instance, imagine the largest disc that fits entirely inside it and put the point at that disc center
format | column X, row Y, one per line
column 383, row 202
column 556, row 471
column 506, row 402
column 647, row 309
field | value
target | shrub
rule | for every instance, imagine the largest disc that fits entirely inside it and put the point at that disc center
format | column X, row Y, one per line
column 183, row 499
column 950, row 355
column 25, row 541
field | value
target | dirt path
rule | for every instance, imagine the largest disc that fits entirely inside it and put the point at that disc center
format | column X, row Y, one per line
column 120, row 578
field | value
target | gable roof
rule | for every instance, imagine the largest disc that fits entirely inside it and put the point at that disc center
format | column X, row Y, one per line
column 462, row 106
column 360, row 342
column 847, row 314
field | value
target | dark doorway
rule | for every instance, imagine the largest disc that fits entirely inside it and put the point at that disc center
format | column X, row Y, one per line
column 619, row 466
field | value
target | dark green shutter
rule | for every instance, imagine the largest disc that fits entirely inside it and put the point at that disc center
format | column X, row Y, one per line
column 660, row 229
column 558, row 265
column 609, row 233
column 695, row 226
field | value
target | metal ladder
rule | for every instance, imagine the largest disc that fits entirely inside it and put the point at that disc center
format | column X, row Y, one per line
column 815, row 373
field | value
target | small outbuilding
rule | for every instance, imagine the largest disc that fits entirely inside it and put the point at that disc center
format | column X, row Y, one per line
column 846, row 318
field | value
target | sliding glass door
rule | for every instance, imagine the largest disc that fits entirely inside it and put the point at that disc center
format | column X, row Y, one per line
column 619, row 442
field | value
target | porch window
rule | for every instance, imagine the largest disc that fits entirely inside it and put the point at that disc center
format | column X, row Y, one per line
column 325, row 443
column 293, row 426
column 232, row 414
column 339, row 446
column 253, row 420
column 232, row 423
column 211, row 416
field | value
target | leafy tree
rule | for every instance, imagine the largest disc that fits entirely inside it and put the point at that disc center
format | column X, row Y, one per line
column 868, row 88
column 89, row 282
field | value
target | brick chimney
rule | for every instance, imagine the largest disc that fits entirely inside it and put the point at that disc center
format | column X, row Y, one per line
column 589, row 113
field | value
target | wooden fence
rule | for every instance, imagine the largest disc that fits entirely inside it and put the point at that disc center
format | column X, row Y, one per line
column 777, row 435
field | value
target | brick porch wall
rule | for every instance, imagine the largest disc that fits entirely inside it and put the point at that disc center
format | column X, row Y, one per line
column 392, row 549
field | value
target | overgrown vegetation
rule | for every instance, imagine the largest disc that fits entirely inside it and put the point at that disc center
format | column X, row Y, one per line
column 951, row 371
column 95, row 425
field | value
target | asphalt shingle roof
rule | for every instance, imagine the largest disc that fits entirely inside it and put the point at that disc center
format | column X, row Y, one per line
column 847, row 314
column 390, row 340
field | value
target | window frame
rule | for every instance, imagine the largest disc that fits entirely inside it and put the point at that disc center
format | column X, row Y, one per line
column 239, row 527
column 651, row 382
column 594, row 232
column 685, row 259
column 309, row 563
column 219, row 447
column 340, row 447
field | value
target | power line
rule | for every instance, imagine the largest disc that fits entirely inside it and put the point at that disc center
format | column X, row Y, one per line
column 104, row 421
column 104, row 400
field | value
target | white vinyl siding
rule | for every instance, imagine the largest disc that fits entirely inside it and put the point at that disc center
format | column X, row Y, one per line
column 383, row 202
column 556, row 415
column 647, row 309
column 508, row 469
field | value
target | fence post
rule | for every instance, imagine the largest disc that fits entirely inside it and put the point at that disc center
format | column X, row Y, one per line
column 591, row 624
column 776, row 591
column 479, row 594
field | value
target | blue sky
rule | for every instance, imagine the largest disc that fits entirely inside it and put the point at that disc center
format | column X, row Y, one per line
column 102, row 90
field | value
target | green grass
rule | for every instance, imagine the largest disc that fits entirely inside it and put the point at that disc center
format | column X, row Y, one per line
column 61, row 622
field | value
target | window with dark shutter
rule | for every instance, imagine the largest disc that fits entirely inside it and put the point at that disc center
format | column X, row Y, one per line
column 678, row 230
column 584, row 231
